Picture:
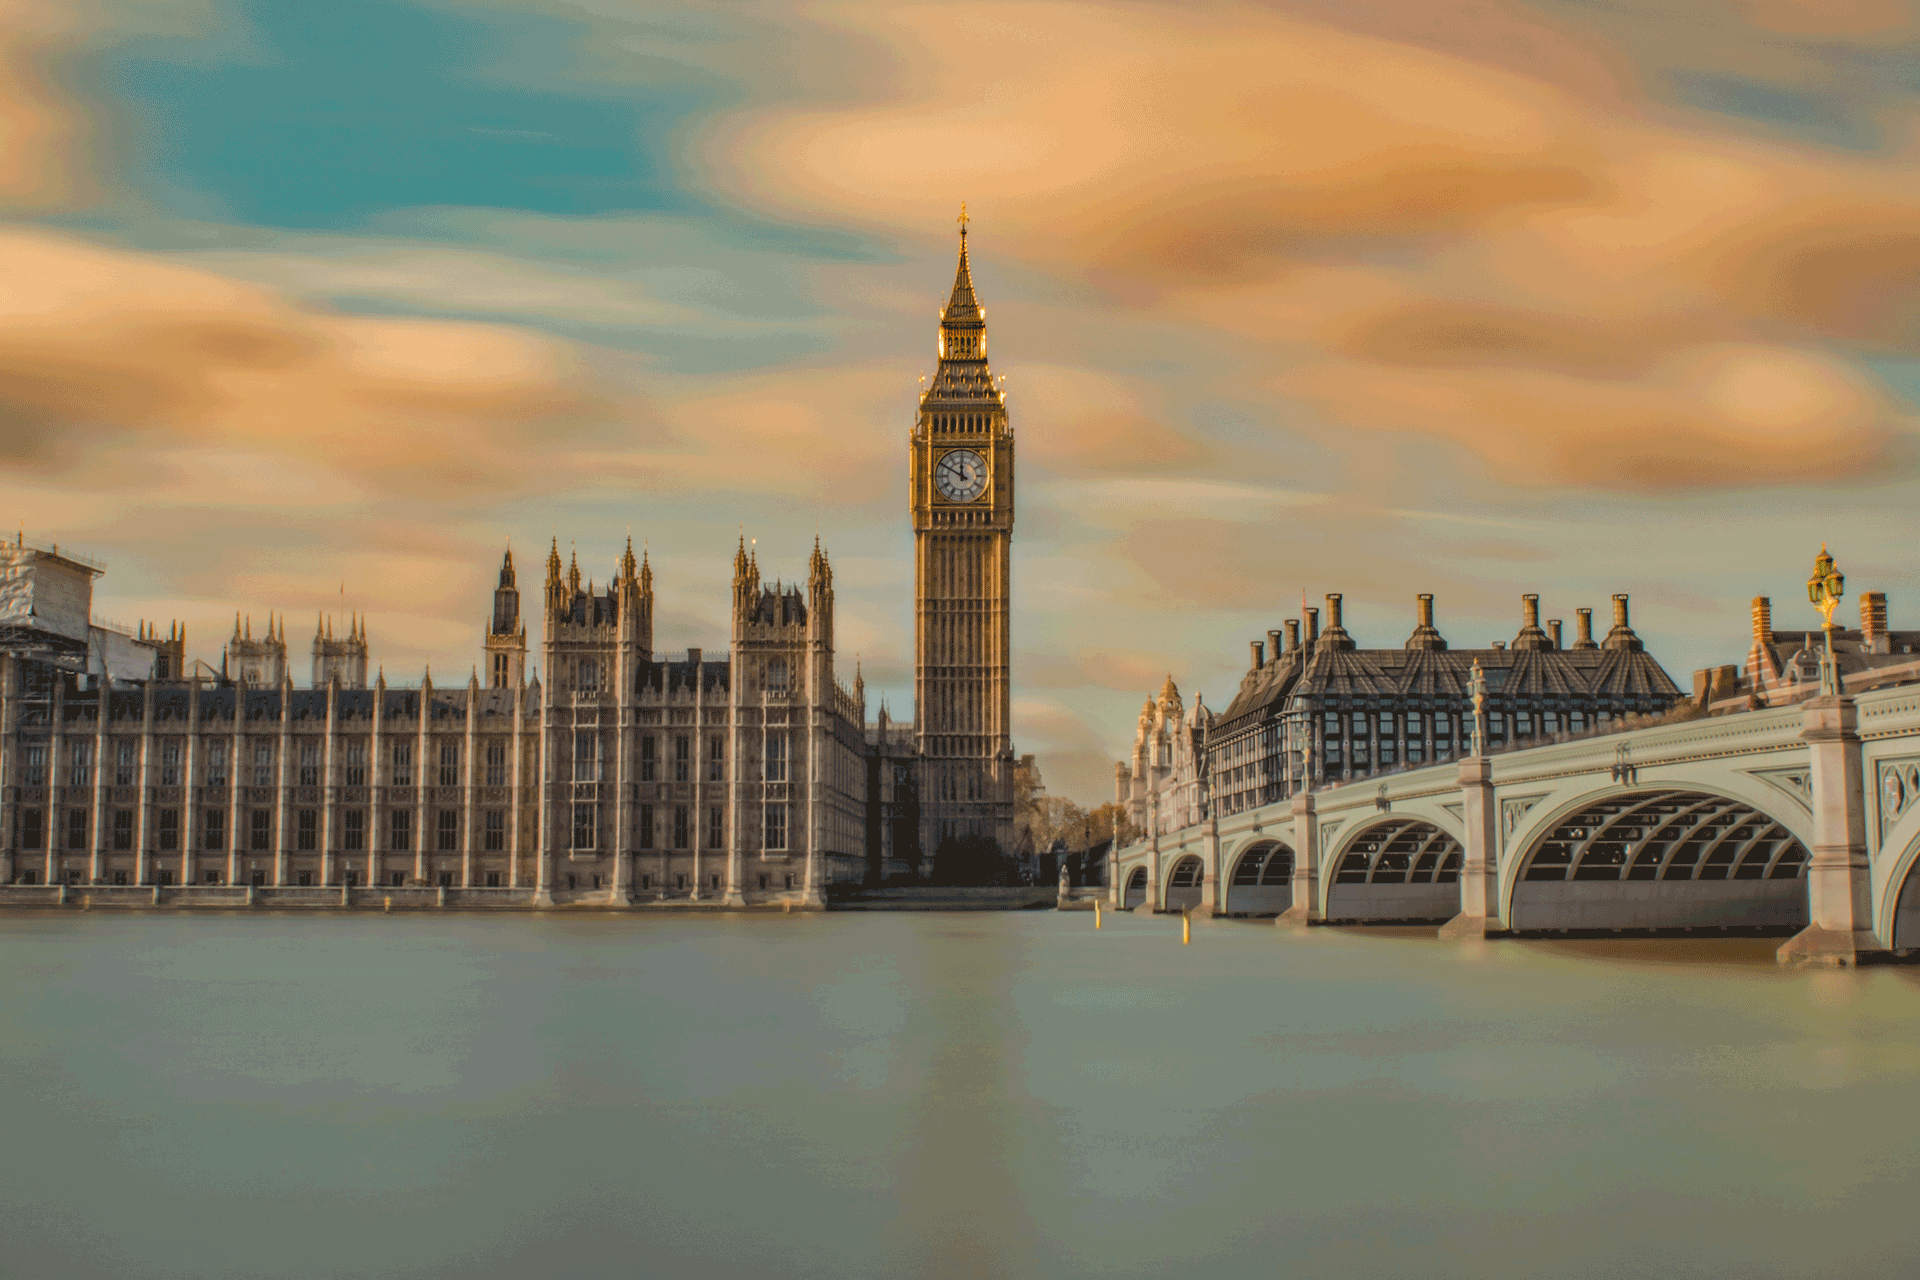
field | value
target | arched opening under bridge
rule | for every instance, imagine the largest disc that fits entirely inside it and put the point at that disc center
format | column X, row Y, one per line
column 1400, row 869
column 1136, row 893
column 1184, row 884
column 1262, row 881
column 1663, row 860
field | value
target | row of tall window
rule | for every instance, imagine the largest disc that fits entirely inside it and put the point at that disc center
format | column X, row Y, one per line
column 306, row 830
column 308, row 764
column 586, row 674
column 671, row 826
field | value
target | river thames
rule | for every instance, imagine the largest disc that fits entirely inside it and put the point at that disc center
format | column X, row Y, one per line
column 894, row 1095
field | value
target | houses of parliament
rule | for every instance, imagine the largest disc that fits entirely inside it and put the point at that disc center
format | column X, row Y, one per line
column 613, row 772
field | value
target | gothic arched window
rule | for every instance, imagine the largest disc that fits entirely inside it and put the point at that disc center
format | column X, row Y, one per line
column 777, row 675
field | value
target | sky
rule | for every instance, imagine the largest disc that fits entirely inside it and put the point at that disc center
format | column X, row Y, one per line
column 316, row 307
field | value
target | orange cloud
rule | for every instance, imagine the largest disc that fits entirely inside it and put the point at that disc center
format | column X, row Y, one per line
column 43, row 131
column 99, row 345
column 1404, row 239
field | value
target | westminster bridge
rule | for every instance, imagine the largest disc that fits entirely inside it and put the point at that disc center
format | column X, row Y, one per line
column 1801, row 818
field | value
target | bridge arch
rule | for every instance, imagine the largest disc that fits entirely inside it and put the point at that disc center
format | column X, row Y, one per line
column 1394, row 868
column 1658, row 858
column 1896, row 889
column 1262, row 880
column 1136, row 890
column 1186, row 883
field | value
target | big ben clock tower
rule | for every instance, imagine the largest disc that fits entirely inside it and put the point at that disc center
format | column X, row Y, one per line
column 961, row 492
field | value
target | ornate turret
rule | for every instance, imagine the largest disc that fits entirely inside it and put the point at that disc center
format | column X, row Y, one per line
column 339, row 661
column 633, row 591
column 260, row 662
column 506, row 638
column 558, row 597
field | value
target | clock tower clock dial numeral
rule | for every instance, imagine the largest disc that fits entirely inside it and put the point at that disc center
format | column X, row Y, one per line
column 960, row 475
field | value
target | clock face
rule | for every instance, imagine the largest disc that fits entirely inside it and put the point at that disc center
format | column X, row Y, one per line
column 960, row 475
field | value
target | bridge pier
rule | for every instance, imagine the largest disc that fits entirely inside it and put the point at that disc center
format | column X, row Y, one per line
column 1213, row 894
column 1839, row 876
column 1306, row 865
column 1480, row 865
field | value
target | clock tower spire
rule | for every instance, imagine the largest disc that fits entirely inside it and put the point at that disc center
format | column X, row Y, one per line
column 961, row 500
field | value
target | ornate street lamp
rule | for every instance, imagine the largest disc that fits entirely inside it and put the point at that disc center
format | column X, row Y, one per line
column 1824, row 590
column 1477, row 690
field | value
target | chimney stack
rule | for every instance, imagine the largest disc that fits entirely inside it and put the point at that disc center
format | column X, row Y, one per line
column 1259, row 654
column 1873, row 623
column 1583, row 631
column 1553, row 630
column 1273, row 645
column 1763, row 620
column 1313, row 625
column 1336, row 636
column 1621, row 637
column 1293, row 634
column 1425, row 636
column 1531, row 636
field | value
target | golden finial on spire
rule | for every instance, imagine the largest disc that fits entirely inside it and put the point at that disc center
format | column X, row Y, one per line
column 963, row 219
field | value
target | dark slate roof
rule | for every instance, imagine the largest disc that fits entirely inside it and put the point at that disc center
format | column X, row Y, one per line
column 778, row 606
column 1594, row 675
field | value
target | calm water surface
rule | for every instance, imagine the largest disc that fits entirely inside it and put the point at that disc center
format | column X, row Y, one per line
column 896, row 1095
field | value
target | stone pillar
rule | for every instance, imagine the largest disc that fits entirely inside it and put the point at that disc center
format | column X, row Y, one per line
column 235, row 763
column 516, row 802
column 379, row 777
column 544, row 843
column 735, row 788
column 423, row 769
column 1306, row 864
column 282, row 788
column 97, row 870
column 143, row 829
column 1839, row 884
column 56, row 827
column 1213, row 884
column 189, row 795
column 9, row 783
column 815, row 895
column 623, row 770
column 329, row 779
column 1480, row 864
column 469, row 771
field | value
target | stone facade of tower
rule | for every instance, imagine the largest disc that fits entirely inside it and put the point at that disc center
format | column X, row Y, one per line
column 340, row 661
column 961, row 497
column 258, row 662
column 505, row 641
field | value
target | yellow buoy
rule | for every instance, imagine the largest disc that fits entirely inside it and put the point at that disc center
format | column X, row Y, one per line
column 1186, row 929
column 1096, row 913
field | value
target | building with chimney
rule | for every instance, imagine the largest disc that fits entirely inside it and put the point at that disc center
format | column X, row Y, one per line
column 1315, row 708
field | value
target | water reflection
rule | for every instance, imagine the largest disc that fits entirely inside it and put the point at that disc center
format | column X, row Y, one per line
column 940, row 1095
